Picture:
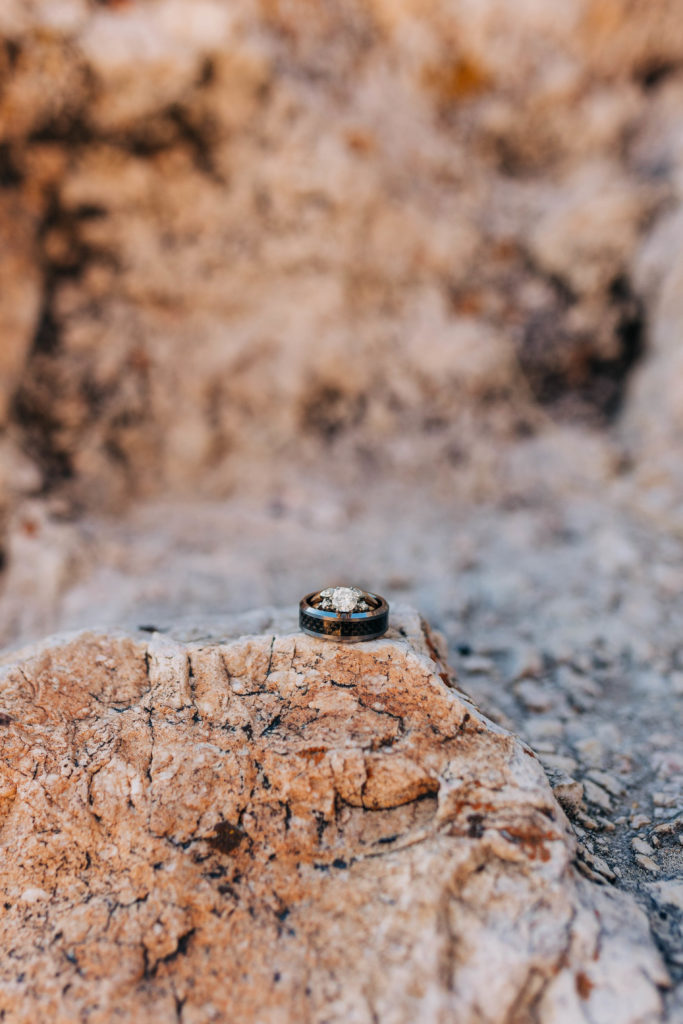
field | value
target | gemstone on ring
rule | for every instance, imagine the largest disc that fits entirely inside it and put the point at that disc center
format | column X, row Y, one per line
column 345, row 614
column 343, row 599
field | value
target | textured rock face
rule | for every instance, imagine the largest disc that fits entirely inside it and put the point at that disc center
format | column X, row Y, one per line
column 383, row 239
column 250, row 225
column 276, row 828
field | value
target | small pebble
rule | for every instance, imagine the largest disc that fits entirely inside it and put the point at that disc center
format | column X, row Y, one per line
column 666, row 828
column 640, row 820
column 534, row 696
column 569, row 793
column 597, row 795
column 545, row 747
column 558, row 761
column 477, row 664
column 544, row 729
column 662, row 739
column 599, row 865
column 647, row 863
column 526, row 662
column 640, row 846
column 607, row 782
column 591, row 751
column 664, row 800
column 588, row 687
column 589, row 873
column 667, row 894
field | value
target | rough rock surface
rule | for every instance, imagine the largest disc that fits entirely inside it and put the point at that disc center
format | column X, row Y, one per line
column 349, row 264
column 255, row 228
column 276, row 828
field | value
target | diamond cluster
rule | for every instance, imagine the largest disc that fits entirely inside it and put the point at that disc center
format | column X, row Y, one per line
column 343, row 599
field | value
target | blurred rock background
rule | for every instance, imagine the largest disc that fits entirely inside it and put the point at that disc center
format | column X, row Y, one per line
column 379, row 291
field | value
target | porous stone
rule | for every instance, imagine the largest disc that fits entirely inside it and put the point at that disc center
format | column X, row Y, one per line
column 207, row 826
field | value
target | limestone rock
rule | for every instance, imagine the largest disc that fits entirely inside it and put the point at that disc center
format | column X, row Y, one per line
column 204, row 826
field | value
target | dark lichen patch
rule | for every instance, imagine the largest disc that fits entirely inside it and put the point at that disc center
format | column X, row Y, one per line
column 226, row 838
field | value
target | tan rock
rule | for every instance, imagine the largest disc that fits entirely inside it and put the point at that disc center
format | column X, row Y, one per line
column 363, row 224
column 597, row 795
column 641, row 846
column 568, row 791
column 20, row 298
column 275, row 828
column 647, row 862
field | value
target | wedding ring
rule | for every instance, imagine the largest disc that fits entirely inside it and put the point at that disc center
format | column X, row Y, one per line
column 345, row 614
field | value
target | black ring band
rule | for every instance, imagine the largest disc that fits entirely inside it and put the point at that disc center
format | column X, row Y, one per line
column 345, row 627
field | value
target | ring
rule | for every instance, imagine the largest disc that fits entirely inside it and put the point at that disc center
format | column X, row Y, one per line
column 346, row 614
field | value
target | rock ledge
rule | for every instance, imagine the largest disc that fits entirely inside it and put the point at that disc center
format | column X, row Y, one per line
column 276, row 828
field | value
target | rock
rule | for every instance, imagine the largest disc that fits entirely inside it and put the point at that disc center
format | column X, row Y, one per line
column 536, row 697
column 607, row 782
column 665, row 800
column 640, row 846
column 525, row 662
column 647, row 862
column 667, row 827
column 558, row 762
column 596, row 219
column 568, row 790
column 592, row 750
column 39, row 544
column 202, row 825
column 597, row 795
column 653, row 439
column 585, row 821
column 569, row 793
column 135, row 137
column 203, row 294
column 667, row 894
column 598, row 865
column 477, row 664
